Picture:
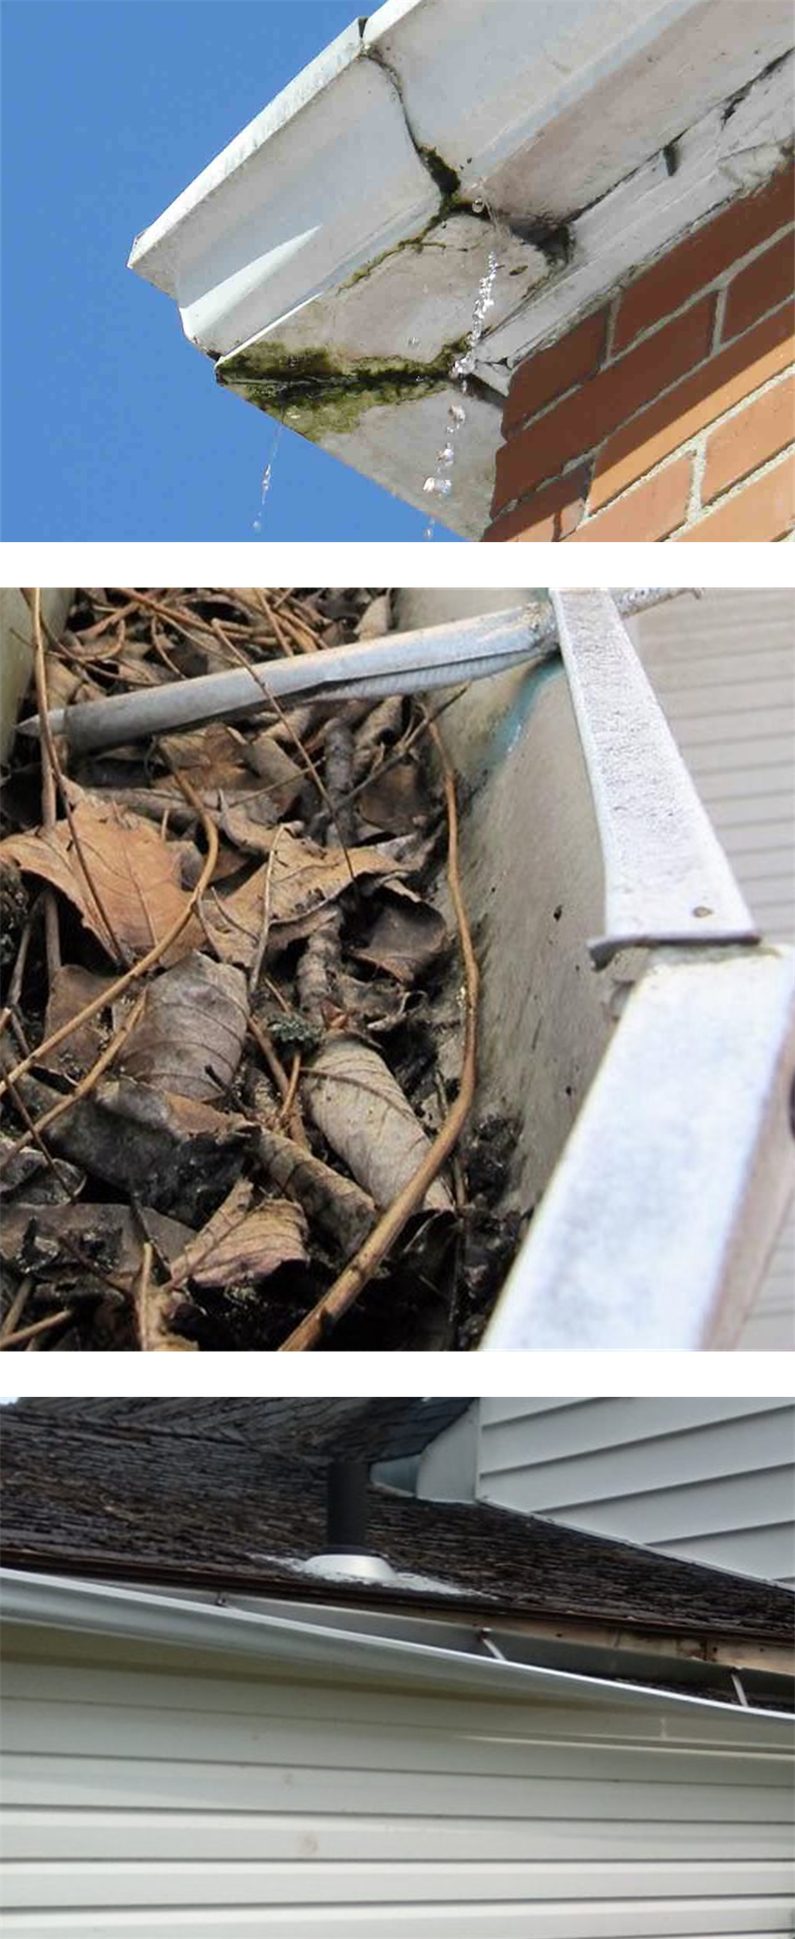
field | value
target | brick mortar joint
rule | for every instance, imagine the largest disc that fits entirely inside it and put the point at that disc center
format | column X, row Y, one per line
column 739, row 485
column 691, row 445
column 693, row 518
column 716, row 286
column 611, row 303
column 689, row 448
column 590, row 456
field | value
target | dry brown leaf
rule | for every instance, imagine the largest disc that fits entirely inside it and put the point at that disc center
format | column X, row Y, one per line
column 135, row 873
column 408, row 936
column 71, row 989
column 252, row 828
column 189, row 1040
column 395, row 800
column 276, row 769
column 366, row 1118
column 171, row 1152
column 380, row 729
column 32, row 1238
column 212, row 758
column 65, row 682
column 341, row 1210
column 375, row 618
column 302, row 879
column 27, row 1175
column 156, row 1308
column 244, row 1244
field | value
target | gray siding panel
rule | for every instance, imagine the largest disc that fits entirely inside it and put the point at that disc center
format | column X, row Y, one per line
column 708, row 1479
column 181, row 1799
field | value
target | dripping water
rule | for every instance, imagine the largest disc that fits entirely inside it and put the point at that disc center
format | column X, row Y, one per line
column 439, row 484
column 266, row 480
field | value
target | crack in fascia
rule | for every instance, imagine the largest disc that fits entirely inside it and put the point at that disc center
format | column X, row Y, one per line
column 670, row 148
column 734, row 101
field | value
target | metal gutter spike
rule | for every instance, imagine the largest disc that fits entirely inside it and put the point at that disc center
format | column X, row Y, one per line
column 667, row 879
column 413, row 662
column 403, row 662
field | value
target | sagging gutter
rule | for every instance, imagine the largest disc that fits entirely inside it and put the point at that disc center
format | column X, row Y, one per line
column 305, row 1648
column 340, row 313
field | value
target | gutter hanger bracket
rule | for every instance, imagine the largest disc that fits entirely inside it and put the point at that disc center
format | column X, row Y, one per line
column 667, row 879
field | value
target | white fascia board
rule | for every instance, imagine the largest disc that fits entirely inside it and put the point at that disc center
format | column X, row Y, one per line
column 333, row 243
column 718, row 160
column 284, row 1643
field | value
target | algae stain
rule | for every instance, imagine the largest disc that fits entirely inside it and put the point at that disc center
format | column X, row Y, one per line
column 318, row 396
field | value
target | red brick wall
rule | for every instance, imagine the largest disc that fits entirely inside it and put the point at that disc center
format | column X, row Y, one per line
column 669, row 413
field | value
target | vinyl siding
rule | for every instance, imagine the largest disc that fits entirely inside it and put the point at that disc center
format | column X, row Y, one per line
column 710, row 1480
column 175, row 1799
column 723, row 668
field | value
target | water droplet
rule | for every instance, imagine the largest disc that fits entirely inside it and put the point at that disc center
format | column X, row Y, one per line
column 257, row 525
column 478, row 204
column 437, row 485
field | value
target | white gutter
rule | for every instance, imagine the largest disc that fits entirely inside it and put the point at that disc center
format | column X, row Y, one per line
column 329, row 257
column 659, row 1219
column 94, row 1608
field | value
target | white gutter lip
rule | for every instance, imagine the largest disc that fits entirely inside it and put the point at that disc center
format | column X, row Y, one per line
column 285, row 106
column 97, row 1608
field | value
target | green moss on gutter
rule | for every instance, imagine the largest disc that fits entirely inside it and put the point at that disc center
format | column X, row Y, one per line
column 447, row 180
column 321, row 396
column 420, row 242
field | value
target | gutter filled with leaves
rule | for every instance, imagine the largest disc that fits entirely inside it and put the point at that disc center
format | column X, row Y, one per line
column 238, row 1033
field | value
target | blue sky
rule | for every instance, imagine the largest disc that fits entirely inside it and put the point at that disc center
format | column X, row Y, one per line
column 113, row 427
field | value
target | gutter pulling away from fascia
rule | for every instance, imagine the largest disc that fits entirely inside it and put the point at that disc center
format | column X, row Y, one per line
column 96, row 1609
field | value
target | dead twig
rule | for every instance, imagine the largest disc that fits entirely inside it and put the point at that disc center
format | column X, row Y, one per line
column 142, row 1319
column 147, row 962
column 81, row 1090
column 25, row 1333
column 17, row 1307
column 15, row 985
column 262, row 943
column 56, row 776
column 288, row 1101
column 49, row 796
column 263, row 1041
column 360, row 1270
column 305, row 758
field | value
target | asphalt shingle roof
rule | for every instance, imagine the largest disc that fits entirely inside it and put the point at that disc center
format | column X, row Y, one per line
column 137, row 1496
column 374, row 1429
